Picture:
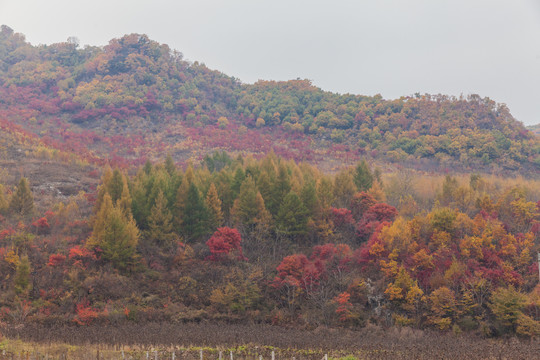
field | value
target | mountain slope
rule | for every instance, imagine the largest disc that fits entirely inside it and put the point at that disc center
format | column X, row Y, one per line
column 534, row 128
column 135, row 98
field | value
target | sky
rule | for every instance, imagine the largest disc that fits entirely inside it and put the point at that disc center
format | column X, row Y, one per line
column 389, row 47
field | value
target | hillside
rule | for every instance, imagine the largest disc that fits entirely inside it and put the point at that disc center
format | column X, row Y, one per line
column 56, row 175
column 267, row 241
column 534, row 128
column 135, row 99
column 277, row 230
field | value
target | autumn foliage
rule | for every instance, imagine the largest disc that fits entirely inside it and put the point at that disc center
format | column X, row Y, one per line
column 225, row 244
column 138, row 188
column 266, row 239
column 56, row 96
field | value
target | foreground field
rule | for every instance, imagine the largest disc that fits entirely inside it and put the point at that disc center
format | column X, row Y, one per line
column 250, row 342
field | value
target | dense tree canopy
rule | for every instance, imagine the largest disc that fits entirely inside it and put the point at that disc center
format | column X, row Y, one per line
column 63, row 94
column 459, row 257
column 263, row 236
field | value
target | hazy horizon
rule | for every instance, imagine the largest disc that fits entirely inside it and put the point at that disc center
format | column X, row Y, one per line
column 392, row 48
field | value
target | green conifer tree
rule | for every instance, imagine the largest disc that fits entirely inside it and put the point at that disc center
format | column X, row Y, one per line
column 195, row 215
column 170, row 167
column 160, row 228
column 189, row 175
column 309, row 199
column 280, row 188
column 223, row 182
column 264, row 185
column 125, row 201
column 139, row 200
column 115, row 186
column 180, row 204
column 115, row 234
column 147, row 168
column 293, row 216
column 213, row 203
column 247, row 208
column 239, row 177
column 363, row 178
column 4, row 204
column 22, row 201
column 160, row 183
column 21, row 281
column 325, row 192
column 344, row 188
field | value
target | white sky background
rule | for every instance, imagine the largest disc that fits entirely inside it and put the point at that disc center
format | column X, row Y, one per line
column 391, row 47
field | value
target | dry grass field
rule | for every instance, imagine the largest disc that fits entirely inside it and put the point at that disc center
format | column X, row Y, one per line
column 251, row 342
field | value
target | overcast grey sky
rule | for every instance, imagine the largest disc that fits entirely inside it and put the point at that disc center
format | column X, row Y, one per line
column 391, row 47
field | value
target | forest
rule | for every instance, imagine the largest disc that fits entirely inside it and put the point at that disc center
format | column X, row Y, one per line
column 144, row 196
column 273, row 241
column 135, row 99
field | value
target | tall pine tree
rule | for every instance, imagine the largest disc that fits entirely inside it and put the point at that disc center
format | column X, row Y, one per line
column 249, row 208
column 169, row 165
column 160, row 228
column 279, row 189
column 3, row 201
column 115, row 186
column 325, row 192
column 125, row 202
column 239, row 177
column 310, row 200
column 115, row 234
column 213, row 203
column 363, row 178
column 344, row 188
column 180, row 204
column 293, row 216
column 264, row 184
column 22, row 202
column 195, row 215
column 21, row 281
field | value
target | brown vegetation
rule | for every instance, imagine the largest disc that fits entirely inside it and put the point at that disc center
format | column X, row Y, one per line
column 248, row 341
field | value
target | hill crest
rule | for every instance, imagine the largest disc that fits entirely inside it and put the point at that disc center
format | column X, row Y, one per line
column 135, row 98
